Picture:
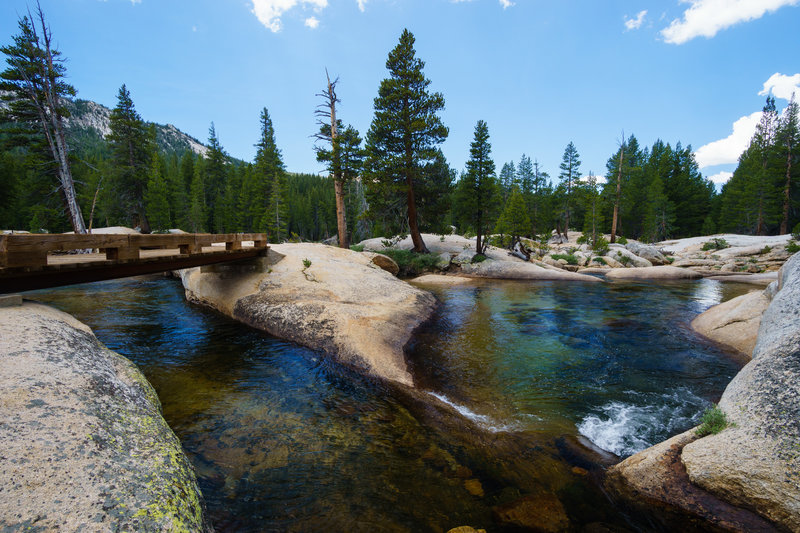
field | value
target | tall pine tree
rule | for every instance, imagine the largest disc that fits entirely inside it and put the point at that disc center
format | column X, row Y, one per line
column 478, row 192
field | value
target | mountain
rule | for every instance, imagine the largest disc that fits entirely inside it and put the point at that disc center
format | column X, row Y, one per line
column 89, row 122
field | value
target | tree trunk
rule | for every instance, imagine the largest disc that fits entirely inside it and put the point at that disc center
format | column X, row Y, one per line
column 341, row 221
column 785, row 220
column 416, row 238
column 619, row 189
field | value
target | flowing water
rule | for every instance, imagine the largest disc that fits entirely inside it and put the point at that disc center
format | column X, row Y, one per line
column 512, row 376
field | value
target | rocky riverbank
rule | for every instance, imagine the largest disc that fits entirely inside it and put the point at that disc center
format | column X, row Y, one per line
column 753, row 464
column 85, row 447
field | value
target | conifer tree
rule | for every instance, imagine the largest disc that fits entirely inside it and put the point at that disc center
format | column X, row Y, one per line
column 789, row 152
column 196, row 217
column 570, row 173
column 132, row 145
column 35, row 91
column 539, row 198
column 514, row 221
column 659, row 215
column 403, row 136
column 276, row 218
column 434, row 195
column 214, row 180
column 268, row 164
column 156, row 198
column 593, row 217
column 478, row 189
column 508, row 178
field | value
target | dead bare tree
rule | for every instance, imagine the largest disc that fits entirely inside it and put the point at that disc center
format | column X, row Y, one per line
column 619, row 190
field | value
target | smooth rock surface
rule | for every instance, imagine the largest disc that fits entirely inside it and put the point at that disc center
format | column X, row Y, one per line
column 342, row 304
column 84, row 445
column 518, row 270
column 734, row 323
column 617, row 252
column 755, row 279
column 650, row 253
column 655, row 272
column 384, row 261
column 438, row 279
column 756, row 463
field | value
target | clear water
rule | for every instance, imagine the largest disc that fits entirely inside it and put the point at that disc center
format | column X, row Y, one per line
column 511, row 373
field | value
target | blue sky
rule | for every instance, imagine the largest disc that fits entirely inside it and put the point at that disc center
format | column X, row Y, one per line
column 540, row 73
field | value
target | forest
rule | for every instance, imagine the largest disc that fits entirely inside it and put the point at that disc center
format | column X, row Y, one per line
column 396, row 180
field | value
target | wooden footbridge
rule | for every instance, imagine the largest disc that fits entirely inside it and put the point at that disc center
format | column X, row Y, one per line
column 29, row 262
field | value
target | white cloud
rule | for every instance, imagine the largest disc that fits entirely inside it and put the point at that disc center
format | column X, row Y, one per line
column 362, row 5
column 720, row 177
column 636, row 22
column 269, row 12
column 782, row 86
column 506, row 3
column 312, row 22
column 707, row 17
column 728, row 150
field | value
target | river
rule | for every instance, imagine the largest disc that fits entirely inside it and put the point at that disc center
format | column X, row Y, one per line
column 513, row 376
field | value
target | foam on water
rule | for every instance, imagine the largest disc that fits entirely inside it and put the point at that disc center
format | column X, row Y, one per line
column 628, row 427
column 483, row 421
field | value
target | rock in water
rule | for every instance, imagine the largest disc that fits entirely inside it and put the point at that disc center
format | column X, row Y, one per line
column 756, row 463
column 734, row 323
column 517, row 270
column 84, row 445
column 543, row 514
column 341, row 303
column 656, row 272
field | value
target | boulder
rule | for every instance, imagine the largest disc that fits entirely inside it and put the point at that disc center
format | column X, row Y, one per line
column 653, row 272
column 616, row 251
column 438, row 279
column 384, row 261
column 341, row 303
column 85, row 447
column 464, row 257
column 734, row 323
column 691, row 262
column 513, row 270
column 466, row 529
column 444, row 261
column 763, row 279
column 756, row 463
column 650, row 253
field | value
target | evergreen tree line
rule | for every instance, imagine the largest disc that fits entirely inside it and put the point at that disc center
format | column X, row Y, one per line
column 397, row 182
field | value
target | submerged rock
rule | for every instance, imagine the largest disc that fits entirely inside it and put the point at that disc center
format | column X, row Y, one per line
column 734, row 323
column 84, row 444
column 326, row 298
column 518, row 270
column 543, row 513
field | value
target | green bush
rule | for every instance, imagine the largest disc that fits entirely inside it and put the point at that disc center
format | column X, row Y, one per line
column 765, row 250
column 796, row 232
column 583, row 239
column 712, row 422
column 715, row 244
column 792, row 247
column 601, row 246
column 412, row 264
column 479, row 258
column 670, row 260
column 569, row 258
column 622, row 240
column 306, row 264
column 599, row 260
column 624, row 259
column 357, row 247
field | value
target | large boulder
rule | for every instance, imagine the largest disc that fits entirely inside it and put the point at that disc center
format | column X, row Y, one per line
column 734, row 323
column 623, row 255
column 84, row 444
column 326, row 298
column 653, row 272
column 756, row 462
column 517, row 270
column 650, row 253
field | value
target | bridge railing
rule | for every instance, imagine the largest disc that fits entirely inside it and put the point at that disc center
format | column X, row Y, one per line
column 31, row 250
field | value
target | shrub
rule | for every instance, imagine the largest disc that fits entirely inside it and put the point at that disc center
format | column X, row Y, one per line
column 599, row 260
column 583, row 239
column 601, row 246
column 796, row 232
column 357, row 247
column 410, row 263
column 479, row 258
column 569, row 258
column 765, row 250
column 622, row 240
column 670, row 260
column 712, row 422
column 624, row 259
column 792, row 247
column 306, row 264
column 715, row 244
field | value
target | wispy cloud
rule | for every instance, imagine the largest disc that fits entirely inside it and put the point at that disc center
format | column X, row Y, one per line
column 636, row 22
column 269, row 12
column 782, row 86
column 705, row 18
column 720, row 177
column 312, row 22
column 362, row 5
column 727, row 150
column 506, row 3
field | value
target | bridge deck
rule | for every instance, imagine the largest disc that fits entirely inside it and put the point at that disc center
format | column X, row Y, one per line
column 29, row 262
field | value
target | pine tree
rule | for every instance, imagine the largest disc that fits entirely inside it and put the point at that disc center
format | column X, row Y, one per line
column 514, row 221
column 403, row 136
column 276, row 218
column 659, row 215
column 268, row 163
column 593, row 218
column 570, row 173
column 788, row 143
column 196, row 218
column 538, row 200
column 760, row 189
column 156, row 198
column 478, row 192
column 35, row 93
column 434, row 195
column 214, row 180
column 508, row 178
column 132, row 145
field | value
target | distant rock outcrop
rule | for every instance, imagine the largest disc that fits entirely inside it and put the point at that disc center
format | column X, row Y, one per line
column 84, row 445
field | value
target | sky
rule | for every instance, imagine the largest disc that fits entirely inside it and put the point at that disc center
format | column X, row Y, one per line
column 541, row 73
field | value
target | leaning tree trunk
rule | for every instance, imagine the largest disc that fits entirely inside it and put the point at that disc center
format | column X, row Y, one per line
column 619, row 190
